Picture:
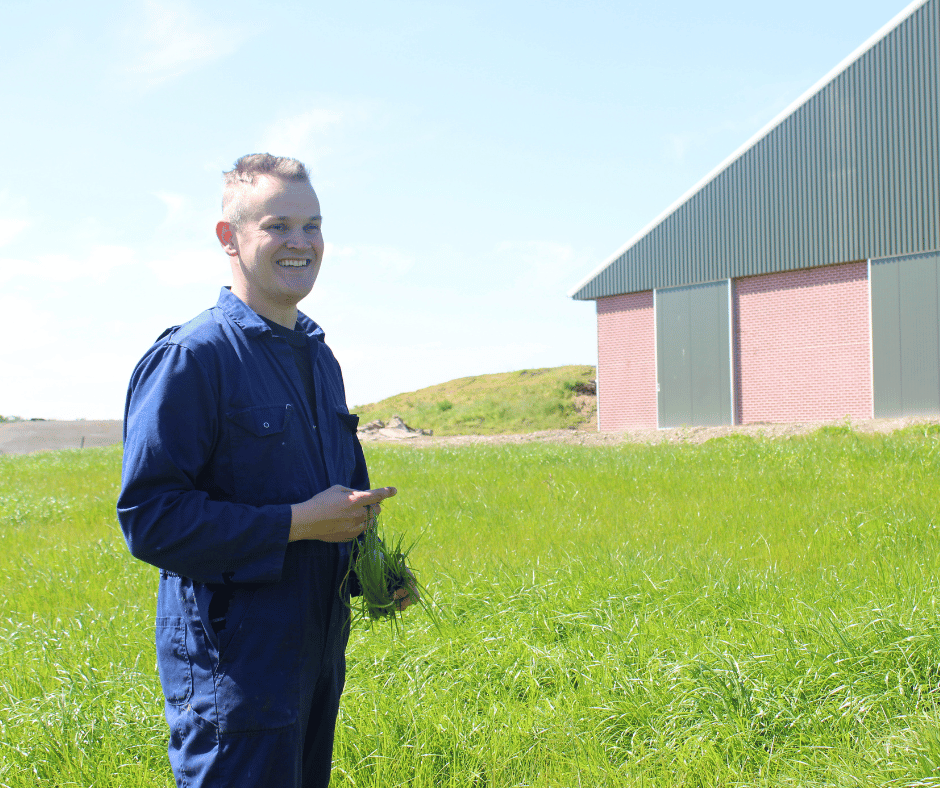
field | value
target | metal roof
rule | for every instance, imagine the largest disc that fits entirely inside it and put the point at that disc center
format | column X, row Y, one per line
column 849, row 171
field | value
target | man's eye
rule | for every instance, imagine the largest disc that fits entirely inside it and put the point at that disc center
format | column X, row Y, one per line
column 279, row 227
column 313, row 228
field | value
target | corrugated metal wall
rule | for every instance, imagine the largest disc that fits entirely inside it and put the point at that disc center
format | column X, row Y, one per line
column 852, row 174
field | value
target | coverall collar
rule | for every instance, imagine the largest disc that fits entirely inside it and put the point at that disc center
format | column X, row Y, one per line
column 251, row 323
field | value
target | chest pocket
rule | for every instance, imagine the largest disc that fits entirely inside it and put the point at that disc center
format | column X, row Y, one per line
column 263, row 441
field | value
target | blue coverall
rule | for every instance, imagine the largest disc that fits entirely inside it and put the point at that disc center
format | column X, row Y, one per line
column 251, row 630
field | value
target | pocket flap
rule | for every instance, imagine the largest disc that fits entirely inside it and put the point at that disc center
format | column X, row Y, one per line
column 262, row 420
column 351, row 420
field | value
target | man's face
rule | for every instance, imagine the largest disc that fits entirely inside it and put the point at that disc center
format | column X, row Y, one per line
column 277, row 246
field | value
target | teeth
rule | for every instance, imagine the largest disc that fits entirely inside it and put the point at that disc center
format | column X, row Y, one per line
column 293, row 262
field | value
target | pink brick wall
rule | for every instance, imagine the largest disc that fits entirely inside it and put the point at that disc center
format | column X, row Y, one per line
column 626, row 361
column 802, row 345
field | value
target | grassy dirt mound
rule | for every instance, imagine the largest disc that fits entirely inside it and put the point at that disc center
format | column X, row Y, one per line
column 529, row 400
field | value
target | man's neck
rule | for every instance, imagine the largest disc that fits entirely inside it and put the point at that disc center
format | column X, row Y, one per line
column 283, row 316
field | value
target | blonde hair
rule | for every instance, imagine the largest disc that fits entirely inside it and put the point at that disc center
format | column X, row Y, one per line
column 247, row 170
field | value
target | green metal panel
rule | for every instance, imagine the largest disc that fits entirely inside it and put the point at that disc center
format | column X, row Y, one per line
column 905, row 304
column 886, row 339
column 693, row 359
column 673, row 357
column 920, row 361
column 711, row 354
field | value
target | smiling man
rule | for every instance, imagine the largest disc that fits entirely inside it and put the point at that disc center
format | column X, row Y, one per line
column 244, row 482
column 271, row 231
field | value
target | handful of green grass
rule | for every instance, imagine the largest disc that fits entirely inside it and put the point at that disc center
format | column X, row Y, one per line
column 381, row 569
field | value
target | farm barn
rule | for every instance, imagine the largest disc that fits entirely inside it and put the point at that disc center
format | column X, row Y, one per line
column 800, row 280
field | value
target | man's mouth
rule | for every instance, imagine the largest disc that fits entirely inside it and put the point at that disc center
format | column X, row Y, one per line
column 294, row 262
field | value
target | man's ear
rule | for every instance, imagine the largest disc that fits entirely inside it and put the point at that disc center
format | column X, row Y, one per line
column 226, row 236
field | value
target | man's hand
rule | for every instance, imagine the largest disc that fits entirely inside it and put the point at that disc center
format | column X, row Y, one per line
column 338, row 514
column 408, row 595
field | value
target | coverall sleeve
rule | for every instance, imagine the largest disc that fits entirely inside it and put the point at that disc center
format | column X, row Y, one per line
column 171, row 453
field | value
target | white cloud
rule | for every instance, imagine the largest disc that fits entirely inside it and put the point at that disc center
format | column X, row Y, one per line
column 10, row 228
column 312, row 136
column 97, row 264
column 382, row 369
column 13, row 217
column 184, row 225
column 289, row 135
column 543, row 266
column 678, row 146
column 57, row 384
column 175, row 206
column 175, row 38
column 365, row 263
column 17, row 312
column 187, row 265
column 186, row 251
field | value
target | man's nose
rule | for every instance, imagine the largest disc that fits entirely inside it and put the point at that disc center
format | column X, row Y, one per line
column 298, row 239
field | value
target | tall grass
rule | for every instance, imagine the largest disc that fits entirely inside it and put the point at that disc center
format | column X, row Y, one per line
column 742, row 612
column 79, row 702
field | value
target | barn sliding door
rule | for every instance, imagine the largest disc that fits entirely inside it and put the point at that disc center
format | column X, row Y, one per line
column 905, row 332
column 693, row 355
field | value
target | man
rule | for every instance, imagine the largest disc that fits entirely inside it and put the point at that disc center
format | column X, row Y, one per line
column 244, row 482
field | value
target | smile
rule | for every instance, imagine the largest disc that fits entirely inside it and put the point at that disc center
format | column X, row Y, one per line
column 294, row 262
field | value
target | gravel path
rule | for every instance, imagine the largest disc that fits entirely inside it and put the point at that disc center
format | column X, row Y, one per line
column 590, row 437
column 24, row 437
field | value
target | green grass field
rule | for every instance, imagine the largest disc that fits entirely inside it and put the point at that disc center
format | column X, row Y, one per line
column 744, row 612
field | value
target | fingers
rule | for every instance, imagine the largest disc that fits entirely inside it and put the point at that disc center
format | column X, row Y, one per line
column 370, row 513
column 372, row 497
column 369, row 501
column 337, row 514
column 407, row 595
column 402, row 598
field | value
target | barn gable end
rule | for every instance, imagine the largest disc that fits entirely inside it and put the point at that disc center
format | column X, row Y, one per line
column 849, row 174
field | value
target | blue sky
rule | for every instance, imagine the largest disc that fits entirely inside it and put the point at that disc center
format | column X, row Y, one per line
column 474, row 161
